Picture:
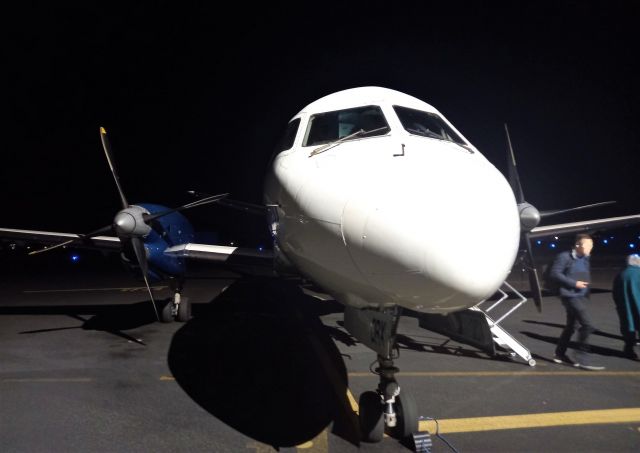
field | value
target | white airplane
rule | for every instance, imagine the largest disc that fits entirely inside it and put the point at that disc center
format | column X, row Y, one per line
column 375, row 197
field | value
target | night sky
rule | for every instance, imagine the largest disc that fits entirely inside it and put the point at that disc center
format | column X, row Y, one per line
column 195, row 96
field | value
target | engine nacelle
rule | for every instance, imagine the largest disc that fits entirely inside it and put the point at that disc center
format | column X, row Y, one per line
column 163, row 232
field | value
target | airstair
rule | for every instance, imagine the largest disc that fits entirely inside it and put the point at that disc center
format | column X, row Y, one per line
column 500, row 336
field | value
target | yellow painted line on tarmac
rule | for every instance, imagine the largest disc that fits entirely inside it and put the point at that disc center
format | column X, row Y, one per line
column 82, row 290
column 573, row 418
column 46, row 380
column 353, row 402
column 502, row 422
column 583, row 373
column 319, row 444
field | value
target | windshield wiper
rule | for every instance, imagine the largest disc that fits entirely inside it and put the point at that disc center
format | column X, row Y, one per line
column 427, row 133
column 430, row 134
column 360, row 133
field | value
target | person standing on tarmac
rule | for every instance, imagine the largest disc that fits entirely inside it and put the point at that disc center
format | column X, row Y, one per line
column 626, row 295
column 571, row 270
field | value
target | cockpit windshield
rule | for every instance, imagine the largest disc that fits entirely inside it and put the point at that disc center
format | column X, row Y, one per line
column 331, row 126
column 426, row 124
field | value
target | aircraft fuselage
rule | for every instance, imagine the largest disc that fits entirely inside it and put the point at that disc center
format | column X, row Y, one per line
column 393, row 218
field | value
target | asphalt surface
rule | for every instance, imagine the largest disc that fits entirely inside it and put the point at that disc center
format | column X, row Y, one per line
column 262, row 367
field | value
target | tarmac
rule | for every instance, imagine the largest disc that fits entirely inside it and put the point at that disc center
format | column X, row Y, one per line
column 263, row 367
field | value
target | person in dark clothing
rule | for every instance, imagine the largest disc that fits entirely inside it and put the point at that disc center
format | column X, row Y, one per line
column 626, row 295
column 572, row 271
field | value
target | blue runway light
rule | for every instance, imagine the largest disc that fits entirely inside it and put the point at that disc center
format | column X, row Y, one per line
column 552, row 245
column 75, row 258
column 539, row 242
column 632, row 245
column 605, row 241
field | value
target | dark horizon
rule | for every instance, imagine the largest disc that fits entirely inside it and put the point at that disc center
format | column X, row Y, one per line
column 194, row 99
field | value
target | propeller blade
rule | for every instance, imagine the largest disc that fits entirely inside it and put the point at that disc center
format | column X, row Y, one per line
column 244, row 206
column 536, row 292
column 577, row 208
column 98, row 232
column 141, row 255
column 81, row 237
column 211, row 199
column 514, row 179
column 534, row 281
column 107, row 150
column 46, row 249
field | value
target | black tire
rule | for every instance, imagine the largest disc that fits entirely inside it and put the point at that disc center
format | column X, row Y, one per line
column 407, row 416
column 371, row 420
column 165, row 313
column 184, row 310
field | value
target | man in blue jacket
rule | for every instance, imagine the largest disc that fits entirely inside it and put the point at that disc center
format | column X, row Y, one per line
column 572, row 272
column 626, row 295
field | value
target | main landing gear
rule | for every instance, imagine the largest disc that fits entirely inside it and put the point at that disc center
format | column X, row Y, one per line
column 177, row 308
column 387, row 408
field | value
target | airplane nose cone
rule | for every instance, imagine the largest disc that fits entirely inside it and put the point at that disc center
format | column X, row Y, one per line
column 438, row 240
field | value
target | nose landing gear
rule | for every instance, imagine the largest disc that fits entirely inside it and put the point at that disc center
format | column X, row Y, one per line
column 387, row 407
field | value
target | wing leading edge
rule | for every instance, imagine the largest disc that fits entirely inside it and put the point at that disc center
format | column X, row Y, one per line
column 51, row 237
column 587, row 225
column 241, row 259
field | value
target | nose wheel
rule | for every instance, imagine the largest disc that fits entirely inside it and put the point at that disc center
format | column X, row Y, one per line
column 407, row 416
column 387, row 408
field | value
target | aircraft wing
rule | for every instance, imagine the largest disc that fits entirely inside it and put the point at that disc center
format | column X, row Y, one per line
column 246, row 260
column 587, row 225
column 50, row 237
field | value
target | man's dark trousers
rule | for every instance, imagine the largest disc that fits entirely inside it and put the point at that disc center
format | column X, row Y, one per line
column 576, row 315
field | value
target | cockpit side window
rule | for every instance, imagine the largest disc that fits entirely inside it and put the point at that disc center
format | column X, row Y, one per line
column 426, row 124
column 330, row 126
column 289, row 136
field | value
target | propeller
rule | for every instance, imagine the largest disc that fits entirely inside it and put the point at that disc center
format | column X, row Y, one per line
column 257, row 209
column 529, row 219
column 132, row 223
column 544, row 214
column 107, row 150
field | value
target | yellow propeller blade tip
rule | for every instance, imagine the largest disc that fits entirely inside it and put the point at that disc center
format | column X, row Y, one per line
column 103, row 131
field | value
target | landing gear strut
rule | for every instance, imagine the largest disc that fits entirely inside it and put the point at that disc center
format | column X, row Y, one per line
column 178, row 308
column 387, row 407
